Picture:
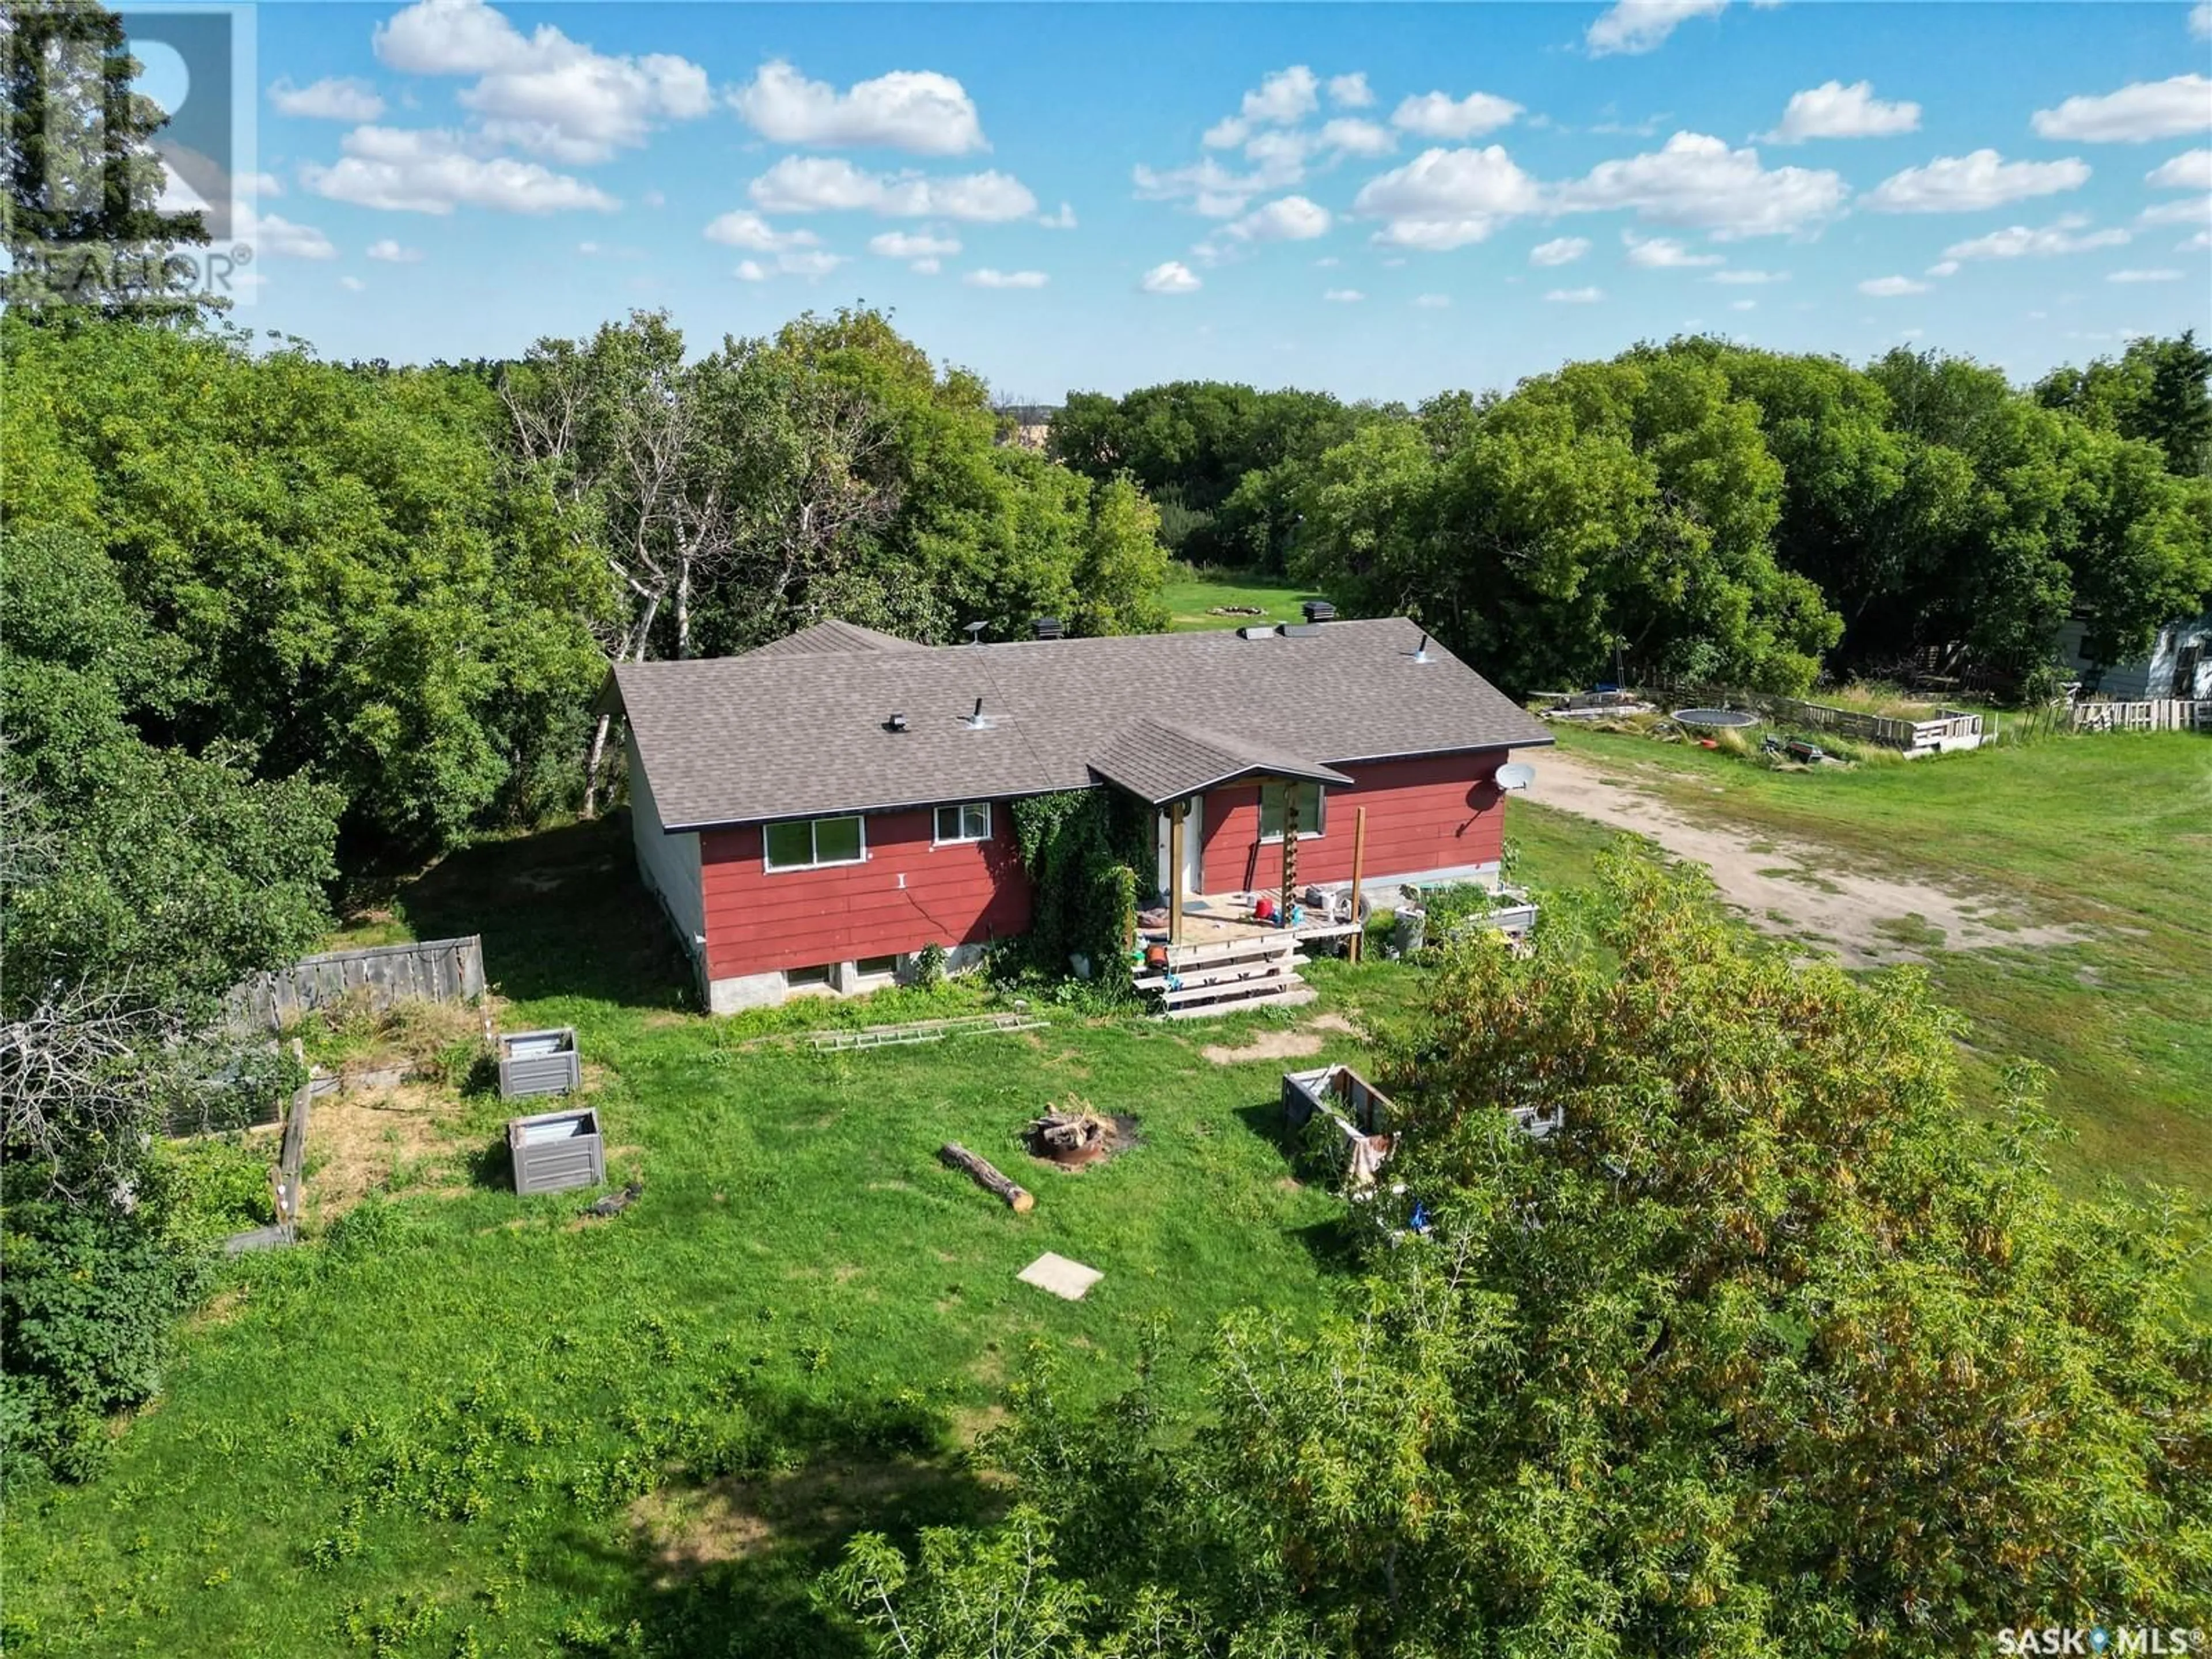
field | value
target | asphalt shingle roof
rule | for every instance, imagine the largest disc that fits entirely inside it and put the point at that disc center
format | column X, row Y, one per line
column 1160, row 762
column 788, row 732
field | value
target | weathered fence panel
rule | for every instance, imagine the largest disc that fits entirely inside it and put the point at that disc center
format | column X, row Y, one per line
column 2160, row 715
column 1947, row 728
column 434, row 970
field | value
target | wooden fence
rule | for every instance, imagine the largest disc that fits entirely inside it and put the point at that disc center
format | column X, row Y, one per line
column 436, row 970
column 1947, row 728
column 2163, row 715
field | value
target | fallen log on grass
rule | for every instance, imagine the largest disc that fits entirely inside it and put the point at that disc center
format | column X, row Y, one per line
column 1017, row 1198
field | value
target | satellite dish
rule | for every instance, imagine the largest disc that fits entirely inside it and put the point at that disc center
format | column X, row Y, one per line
column 1519, row 774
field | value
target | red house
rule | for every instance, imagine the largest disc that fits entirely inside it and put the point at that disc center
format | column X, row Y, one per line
column 813, row 813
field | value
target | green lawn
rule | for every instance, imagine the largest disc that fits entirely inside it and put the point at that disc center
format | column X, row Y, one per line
column 2111, row 832
column 1193, row 595
column 437, row 1419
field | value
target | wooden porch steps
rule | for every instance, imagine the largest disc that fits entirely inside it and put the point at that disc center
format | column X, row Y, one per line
column 1222, row 974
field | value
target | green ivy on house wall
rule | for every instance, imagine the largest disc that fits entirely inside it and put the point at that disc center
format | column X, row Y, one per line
column 1082, row 848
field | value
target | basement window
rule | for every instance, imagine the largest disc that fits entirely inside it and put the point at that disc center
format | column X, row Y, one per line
column 1270, row 811
column 811, row 843
column 796, row 979
column 970, row 821
column 875, row 967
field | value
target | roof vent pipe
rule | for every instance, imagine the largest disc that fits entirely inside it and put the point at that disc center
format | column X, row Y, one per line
column 1421, row 650
column 975, row 721
column 895, row 723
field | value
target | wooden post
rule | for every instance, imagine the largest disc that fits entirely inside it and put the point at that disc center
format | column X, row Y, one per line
column 1176, row 813
column 1290, row 846
column 1358, row 863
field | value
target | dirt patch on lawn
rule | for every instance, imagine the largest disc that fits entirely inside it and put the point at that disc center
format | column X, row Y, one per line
column 356, row 1140
column 1265, row 1045
column 1871, row 920
column 689, row 1530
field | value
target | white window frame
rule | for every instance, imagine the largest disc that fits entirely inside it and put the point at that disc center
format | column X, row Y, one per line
column 1321, row 812
column 814, row 841
column 936, row 838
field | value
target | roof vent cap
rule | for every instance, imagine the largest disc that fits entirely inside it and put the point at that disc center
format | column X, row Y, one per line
column 1045, row 628
column 1258, row 631
column 895, row 723
column 1319, row 611
column 1421, row 650
column 977, row 722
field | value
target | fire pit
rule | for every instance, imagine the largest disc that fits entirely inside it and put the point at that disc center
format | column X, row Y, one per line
column 1074, row 1135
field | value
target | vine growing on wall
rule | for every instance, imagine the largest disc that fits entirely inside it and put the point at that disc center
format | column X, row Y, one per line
column 1081, row 848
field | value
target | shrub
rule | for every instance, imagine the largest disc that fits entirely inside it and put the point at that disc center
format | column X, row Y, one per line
column 88, row 1295
column 929, row 966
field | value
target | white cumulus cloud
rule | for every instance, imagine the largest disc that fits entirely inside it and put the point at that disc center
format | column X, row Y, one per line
column 1350, row 136
column 2068, row 235
column 2194, row 211
column 1172, row 278
column 1891, row 287
column 821, row 183
column 2191, row 170
column 1664, row 253
column 2144, row 276
column 542, row 91
column 1967, row 184
column 1343, row 296
column 805, row 262
column 1697, row 180
column 1559, row 251
column 1290, row 219
column 1282, row 99
column 743, row 227
column 351, row 284
column 987, row 278
column 1432, row 302
column 1749, row 278
column 1063, row 220
column 2145, row 110
column 1638, row 26
column 1439, row 115
column 1575, row 296
column 334, row 98
column 1832, row 110
column 420, row 170
column 268, row 234
column 1446, row 198
column 912, row 245
column 916, row 110
column 1350, row 91
column 385, row 251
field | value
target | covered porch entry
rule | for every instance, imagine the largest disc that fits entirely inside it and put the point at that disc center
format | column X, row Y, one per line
column 1216, row 951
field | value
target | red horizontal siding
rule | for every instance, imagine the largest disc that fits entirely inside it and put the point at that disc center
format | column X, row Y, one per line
column 1434, row 813
column 907, row 894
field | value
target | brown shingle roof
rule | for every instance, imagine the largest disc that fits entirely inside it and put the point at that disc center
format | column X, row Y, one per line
column 792, row 733
column 1160, row 762
column 834, row 636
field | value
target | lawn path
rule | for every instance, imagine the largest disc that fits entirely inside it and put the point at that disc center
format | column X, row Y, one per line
column 1793, row 889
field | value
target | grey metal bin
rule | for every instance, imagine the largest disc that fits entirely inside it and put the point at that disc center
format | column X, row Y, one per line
column 538, row 1063
column 554, row 1150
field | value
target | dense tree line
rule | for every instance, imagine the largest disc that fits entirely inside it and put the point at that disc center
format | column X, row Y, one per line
column 1767, row 1345
column 1705, row 510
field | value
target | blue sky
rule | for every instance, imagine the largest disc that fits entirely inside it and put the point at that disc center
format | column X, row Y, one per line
column 1379, row 201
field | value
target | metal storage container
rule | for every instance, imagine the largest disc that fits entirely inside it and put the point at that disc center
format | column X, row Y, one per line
column 538, row 1063
column 554, row 1150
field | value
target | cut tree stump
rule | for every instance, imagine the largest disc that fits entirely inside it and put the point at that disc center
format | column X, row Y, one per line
column 1018, row 1199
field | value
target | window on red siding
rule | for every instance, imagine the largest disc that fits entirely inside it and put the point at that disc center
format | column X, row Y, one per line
column 805, row 844
column 968, row 821
column 1270, row 811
